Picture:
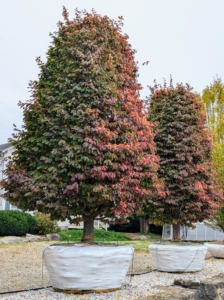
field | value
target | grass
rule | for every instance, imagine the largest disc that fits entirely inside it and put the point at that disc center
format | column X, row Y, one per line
column 109, row 236
column 155, row 235
column 138, row 245
column 100, row 236
column 27, row 244
column 13, row 245
column 151, row 235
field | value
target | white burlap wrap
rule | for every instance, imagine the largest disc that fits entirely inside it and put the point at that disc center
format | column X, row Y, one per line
column 216, row 250
column 87, row 267
column 178, row 258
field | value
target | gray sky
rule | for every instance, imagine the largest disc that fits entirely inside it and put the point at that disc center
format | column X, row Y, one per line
column 184, row 38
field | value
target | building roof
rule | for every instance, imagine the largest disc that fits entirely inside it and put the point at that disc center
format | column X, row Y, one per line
column 4, row 146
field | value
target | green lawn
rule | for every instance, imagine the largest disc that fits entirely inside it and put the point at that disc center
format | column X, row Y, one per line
column 100, row 236
column 109, row 236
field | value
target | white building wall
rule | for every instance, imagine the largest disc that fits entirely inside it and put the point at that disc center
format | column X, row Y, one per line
column 201, row 232
column 4, row 154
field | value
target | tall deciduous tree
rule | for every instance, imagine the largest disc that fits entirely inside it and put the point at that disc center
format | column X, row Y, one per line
column 184, row 147
column 85, row 151
column 213, row 101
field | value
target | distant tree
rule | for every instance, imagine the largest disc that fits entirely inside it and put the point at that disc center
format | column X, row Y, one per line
column 217, row 222
column 86, row 150
column 213, row 101
column 218, row 159
column 184, row 146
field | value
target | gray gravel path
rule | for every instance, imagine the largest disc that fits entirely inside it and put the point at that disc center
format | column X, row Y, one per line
column 133, row 288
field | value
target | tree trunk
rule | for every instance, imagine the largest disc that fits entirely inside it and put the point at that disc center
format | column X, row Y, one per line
column 176, row 233
column 144, row 224
column 88, row 235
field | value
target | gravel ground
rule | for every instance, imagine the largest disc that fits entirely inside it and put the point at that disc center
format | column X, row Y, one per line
column 21, row 268
column 133, row 288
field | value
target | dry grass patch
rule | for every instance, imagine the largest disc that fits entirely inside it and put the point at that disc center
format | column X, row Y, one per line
column 138, row 245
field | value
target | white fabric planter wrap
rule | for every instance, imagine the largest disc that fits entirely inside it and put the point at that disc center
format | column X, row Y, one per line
column 92, row 267
column 178, row 258
column 216, row 250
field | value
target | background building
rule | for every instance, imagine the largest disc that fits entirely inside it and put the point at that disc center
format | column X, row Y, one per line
column 5, row 151
column 201, row 232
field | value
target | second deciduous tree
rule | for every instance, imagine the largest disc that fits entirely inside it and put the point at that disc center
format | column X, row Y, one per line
column 184, row 146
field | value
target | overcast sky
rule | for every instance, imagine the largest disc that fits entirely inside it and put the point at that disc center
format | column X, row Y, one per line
column 184, row 38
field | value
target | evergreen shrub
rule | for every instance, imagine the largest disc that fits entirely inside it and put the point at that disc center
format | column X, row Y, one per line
column 16, row 223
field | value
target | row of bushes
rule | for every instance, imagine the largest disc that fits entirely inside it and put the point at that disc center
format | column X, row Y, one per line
column 19, row 223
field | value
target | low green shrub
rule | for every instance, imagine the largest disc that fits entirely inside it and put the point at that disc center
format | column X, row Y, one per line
column 31, row 223
column 44, row 223
column 100, row 235
column 17, row 223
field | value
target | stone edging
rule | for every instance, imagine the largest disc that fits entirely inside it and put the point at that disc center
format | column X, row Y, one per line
column 29, row 238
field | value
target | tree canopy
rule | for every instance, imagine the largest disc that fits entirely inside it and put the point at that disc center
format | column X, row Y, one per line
column 184, row 146
column 86, row 149
column 213, row 101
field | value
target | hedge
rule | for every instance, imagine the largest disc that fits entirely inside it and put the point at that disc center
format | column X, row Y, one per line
column 17, row 223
